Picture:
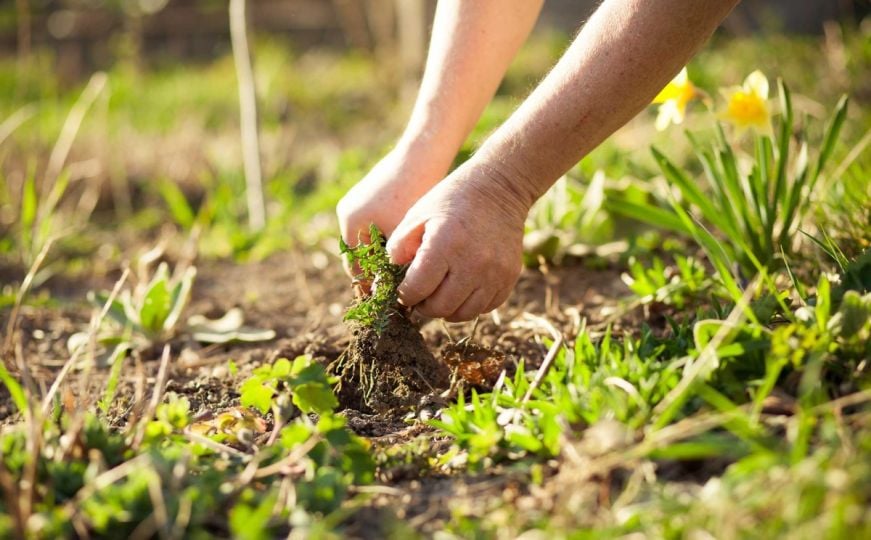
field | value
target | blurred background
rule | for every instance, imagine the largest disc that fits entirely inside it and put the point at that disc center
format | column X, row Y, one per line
column 156, row 144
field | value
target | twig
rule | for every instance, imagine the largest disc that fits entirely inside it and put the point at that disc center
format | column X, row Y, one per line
column 708, row 354
column 155, row 397
column 22, row 292
column 11, row 498
column 155, row 493
column 543, row 368
column 298, row 453
column 851, row 157
column 46, row 401
column 248, row 116
column 24, row 30
column 71, row 128
column 215, row 445
column 379, row 490
column 558, row 341
column 16, row 119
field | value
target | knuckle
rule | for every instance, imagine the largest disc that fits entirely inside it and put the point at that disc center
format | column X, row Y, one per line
column 438, row 307
column 464, row 314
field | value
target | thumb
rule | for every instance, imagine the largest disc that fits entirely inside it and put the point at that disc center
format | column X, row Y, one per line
column 405, row 241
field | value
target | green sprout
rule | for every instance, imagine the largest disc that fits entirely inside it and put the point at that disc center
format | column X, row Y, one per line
column 374, row 311
column 151, row 313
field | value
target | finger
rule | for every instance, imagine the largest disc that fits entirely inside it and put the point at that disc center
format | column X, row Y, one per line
column 449, row 296
column 423, row 277
column 472, row 307
column 498, row 299
column 405, row 241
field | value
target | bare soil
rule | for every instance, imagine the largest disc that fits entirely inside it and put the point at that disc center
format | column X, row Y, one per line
column 302, row 296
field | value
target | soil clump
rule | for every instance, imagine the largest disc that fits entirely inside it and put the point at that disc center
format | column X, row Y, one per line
column 388, row 371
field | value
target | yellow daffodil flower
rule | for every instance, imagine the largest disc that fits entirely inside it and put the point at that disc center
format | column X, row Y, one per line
column 673, row 100
column 747, row 105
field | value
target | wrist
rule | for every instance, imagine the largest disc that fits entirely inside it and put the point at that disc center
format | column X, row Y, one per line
column 492, row 179
column 431, row 142
column 509, row 176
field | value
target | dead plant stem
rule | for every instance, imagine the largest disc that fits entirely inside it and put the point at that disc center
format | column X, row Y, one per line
column 248, row 116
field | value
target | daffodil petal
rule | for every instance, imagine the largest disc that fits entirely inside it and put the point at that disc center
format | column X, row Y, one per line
column 757, row 83
column 663, row 119
column 667, row 93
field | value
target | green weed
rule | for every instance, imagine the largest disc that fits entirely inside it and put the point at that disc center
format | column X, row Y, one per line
column 382, row 277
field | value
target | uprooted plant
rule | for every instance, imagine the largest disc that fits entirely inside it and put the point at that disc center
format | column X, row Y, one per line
column 387, row 365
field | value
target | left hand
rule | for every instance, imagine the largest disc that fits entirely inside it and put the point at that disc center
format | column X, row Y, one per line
column 464, row 241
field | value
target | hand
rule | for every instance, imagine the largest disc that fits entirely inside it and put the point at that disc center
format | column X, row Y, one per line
column 385, row 194
column 464, row 241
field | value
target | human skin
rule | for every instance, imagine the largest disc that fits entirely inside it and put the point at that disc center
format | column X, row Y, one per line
column 472, row 44
column 462, row 235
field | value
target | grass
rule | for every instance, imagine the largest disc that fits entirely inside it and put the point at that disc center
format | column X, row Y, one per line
column 726, row 396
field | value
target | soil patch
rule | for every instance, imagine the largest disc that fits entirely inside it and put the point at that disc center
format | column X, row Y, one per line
column 388, row 371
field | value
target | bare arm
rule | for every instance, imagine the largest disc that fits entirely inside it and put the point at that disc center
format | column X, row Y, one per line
column 625, row 54
column 473, row 42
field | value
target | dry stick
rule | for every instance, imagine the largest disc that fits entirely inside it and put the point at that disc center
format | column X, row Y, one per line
column 709, row 354
column 215, row 445
column 551, row 353
column 248, row 116
column 298, row 453
column 10, row 495
column 22, row 292
column 851, row 157
column 253, row 471
column 24, row 27
column 104, row 480
column 543, row 369
column 15, row 120
column 160, row 513
column 46, row 401
column 159, row 383
column 70, row 129
column 28, row 482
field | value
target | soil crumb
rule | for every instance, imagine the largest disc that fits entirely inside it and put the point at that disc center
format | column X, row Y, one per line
column 477, row 365
column 388, row 372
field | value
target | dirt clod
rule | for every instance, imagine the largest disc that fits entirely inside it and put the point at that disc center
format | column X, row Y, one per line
column 477, row 365
column 388, row 371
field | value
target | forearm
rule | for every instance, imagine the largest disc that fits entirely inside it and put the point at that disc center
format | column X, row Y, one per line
column 473, row 42
column 623, row 56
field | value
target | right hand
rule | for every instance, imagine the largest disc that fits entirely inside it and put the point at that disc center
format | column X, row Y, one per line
column 385, row 194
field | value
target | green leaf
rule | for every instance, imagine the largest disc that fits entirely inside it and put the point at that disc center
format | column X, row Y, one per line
column 311, row 387
column 178, row 204
column 29, row 202
column 281, row 368
column 256, row 394
column 180, row 295
column 15, row 390
column 853, row 315
column 646, row 213
column 116, row 310
column 688, row 188
column 252, row 522
column 157, row 302
column 314, row 397
column 831, row 136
